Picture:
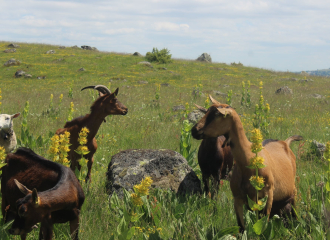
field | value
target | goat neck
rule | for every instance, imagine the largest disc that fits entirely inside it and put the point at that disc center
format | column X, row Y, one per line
column 93, row 123
column 240, row 145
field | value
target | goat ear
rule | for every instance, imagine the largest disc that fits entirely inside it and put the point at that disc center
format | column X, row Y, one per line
column 22, row 188
column 203, row 110
column 15, row 115
column 35, row 198
column 116, row 92
column 101, row 94
column 213, row 100
column 225, row 111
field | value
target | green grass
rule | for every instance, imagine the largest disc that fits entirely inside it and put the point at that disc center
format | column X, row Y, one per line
column 149, row 126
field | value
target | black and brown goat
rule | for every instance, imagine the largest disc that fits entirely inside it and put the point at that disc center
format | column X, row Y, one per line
column 279, row 173
column 215, row 159
column 56, row 197
column 106, row 104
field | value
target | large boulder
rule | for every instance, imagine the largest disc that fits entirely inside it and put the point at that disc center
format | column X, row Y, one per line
column 167, row 168
column 85, row 47
column 204, row 58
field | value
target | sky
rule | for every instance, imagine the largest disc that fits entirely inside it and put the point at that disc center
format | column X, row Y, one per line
column 280, row 35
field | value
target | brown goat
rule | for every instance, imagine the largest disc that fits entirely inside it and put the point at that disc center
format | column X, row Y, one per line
column 280, row 170
column 56, row 197
column 106, row 104
column 214, row 158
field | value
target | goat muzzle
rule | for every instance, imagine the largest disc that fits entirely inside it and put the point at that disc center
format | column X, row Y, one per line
column 124, row 112
column 197, row 134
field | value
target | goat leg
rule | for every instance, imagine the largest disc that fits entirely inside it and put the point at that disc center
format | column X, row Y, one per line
column 238, row 206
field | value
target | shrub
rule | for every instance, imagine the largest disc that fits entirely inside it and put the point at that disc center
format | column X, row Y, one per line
column 162, row 56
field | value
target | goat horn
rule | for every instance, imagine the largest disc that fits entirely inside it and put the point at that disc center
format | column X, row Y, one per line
column 213, row 100
column 101, row 88
column 22, row 188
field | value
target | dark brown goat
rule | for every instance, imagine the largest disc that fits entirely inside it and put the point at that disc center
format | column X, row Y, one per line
column 214, row 159
column 106, row 104
column 56, row 197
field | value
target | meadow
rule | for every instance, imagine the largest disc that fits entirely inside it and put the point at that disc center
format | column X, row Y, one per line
column 152, row 124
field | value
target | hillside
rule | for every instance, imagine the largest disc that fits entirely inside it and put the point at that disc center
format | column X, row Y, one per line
column 152, row 123
column 319, row 72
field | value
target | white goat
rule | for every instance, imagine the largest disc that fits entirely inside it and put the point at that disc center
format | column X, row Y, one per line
column 7, row 134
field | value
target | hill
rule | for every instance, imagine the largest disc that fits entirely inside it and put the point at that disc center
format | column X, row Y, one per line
column 150, row 93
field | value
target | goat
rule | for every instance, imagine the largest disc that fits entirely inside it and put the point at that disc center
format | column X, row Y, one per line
column 106, row 104
column 7, row 134
column 214, row 158
column 279, row 173
column 56, row 197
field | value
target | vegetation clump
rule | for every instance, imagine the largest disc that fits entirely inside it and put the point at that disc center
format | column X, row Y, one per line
column 160, row 56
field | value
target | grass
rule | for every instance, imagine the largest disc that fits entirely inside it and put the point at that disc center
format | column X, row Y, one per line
column 151, row 126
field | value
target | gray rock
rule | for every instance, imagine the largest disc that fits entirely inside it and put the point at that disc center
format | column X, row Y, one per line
column 81, row 69
column 145, row 63
column 318, row 147
column 75, row 46
column 284, row 90
column 19, row 73
column 204, row 58
column 164, row 68
column 89, row 48
column 41, row 77
column 218, row 93
column 50, row 52
column 178, row 108
column 195, row 116
column 28, row 75
column 11, row 62
column 143, row 82
column 12, row 50
column 165, row 84
column 317, row 96
column 61, row 47
column 13, row 45
column 306, row 80
column 168, row 170
column 225, row 86
column 137, row 54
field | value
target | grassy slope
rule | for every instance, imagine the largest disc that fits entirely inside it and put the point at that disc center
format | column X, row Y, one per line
column 144, row 128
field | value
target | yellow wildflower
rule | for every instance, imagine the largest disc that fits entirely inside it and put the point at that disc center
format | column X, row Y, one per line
column 257, row 182
column 2, row 154
column 257, row 162
column 137, row 201
column 326, row 153
column 256, row 139
column 143, row 188
column 261, row 84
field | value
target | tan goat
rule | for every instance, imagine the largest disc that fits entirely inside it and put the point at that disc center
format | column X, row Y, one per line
column 280, row 170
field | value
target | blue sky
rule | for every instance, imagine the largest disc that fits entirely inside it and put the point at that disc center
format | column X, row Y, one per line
column 275, row 34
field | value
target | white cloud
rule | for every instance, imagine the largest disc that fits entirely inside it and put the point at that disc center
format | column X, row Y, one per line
column 262, row 33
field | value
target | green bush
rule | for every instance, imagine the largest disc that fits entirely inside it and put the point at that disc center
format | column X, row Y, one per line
column 162, row 56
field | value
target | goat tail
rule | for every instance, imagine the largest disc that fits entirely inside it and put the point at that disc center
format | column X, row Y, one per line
column 293, row 138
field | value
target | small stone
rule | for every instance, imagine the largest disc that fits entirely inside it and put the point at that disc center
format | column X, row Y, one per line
column 165, row 84
column 50, row 52
column 28, row 75
column 61, row 47
column 164, row 68
column 145, row 63
column 88, row 48
column 10, row 50
column 218, row 93
column 41, row 77
column 137, row 54
column 13, row 45
column 195, row 116
column 178, row 108
column 75, row 46
column 284, row 90
column 81, row 69
column 19, row 73
column 143, row 82
column 11, row 62
column 319, row 148
column 317, row 96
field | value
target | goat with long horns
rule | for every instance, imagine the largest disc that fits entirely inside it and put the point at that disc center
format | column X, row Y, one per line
column 106, row 104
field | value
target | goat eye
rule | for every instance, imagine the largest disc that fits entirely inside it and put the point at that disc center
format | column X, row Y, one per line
column 7, row 118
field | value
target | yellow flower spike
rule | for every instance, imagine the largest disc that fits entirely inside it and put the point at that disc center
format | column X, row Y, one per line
column 137, row 201
column 3, row 154
column 326, row 153
column 261, row 84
